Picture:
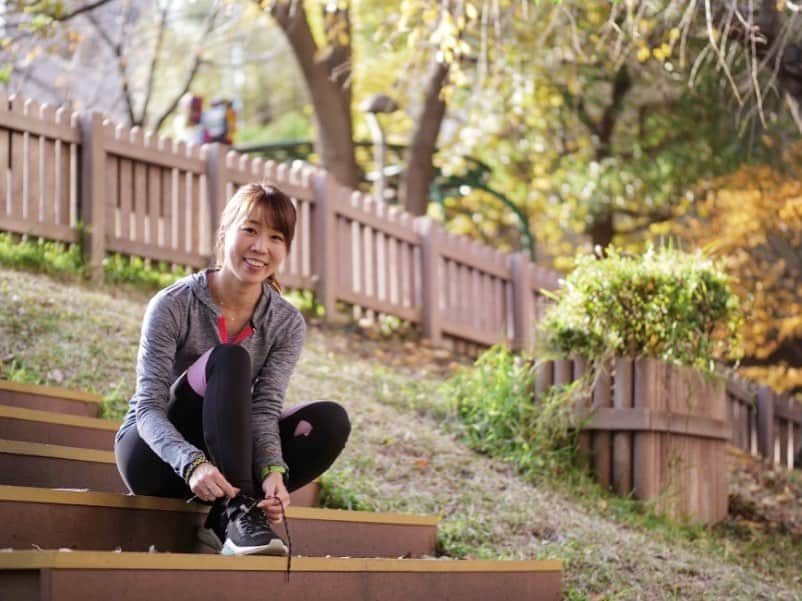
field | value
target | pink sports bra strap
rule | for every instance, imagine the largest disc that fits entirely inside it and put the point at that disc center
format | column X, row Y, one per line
column 221, row 329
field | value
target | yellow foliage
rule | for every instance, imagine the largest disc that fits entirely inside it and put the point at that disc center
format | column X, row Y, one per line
column 752, row 220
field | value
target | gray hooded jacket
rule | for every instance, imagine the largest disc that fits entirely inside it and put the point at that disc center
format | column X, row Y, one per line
column 180, row 324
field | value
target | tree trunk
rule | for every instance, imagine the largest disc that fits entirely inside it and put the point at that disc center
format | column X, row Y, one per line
column 602, row 230
column 419, row 170
column 328, row 83
column 602, row 226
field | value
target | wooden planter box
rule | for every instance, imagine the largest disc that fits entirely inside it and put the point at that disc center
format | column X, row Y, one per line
column 657, row 432
column 663, row 438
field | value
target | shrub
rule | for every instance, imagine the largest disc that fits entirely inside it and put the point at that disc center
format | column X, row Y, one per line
column 494, row 401
column 150, row 275
column 667, row 304
column 44, row 256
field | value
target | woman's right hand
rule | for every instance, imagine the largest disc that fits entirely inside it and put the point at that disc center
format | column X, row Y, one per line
column 208, row 483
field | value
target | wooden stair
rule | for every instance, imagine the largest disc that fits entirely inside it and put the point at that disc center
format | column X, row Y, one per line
column 70, row 533
column 49, row 519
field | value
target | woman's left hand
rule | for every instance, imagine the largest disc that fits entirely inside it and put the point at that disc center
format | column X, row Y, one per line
column 273, row 486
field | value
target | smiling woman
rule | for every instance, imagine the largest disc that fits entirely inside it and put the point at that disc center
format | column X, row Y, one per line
column 215, row 356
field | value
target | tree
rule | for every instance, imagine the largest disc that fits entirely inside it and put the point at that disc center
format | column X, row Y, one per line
column 615, row 113
column 752, row 219
column 327, row 69
column 69, row 52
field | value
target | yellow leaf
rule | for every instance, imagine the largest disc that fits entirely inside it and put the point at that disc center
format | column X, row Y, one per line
column 471, row 12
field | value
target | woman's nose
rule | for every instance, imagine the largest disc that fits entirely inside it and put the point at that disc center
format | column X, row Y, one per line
column 259, row 243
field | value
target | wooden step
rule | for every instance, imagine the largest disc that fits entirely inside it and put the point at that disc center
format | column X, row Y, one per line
column 48, row 427
column 100, row 576
column 49, row 398
column 52, row 519
column 41, row 465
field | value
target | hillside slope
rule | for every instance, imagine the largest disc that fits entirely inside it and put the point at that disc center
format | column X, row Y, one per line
column 404, row 457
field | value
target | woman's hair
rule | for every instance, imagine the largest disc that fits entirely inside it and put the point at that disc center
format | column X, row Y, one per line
column 278, row 213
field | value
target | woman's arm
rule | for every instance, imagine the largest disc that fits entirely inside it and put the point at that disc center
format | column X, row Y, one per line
column 268, row 394
column 161, row 331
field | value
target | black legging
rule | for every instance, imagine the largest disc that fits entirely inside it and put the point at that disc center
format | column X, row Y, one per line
column 219, row 423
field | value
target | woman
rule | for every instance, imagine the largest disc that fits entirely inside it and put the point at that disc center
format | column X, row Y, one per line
column 215, row 357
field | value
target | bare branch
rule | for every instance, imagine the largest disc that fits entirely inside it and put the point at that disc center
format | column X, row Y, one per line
column 794, row 110
column 196, row 63
column 154, row 62
column 752, row 58
column 714, row 45
column 117, row 50
column 78, row 11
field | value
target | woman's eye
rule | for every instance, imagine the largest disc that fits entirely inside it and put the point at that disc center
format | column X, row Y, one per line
column 249, row 230
column 277, row 237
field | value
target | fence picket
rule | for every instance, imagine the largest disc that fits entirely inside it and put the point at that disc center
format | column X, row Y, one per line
column 47, row 175
column 622, row 440
column 5, row 161
column 646, row 476
column 19, row 166
column 765, row 423
column 33, row 205
column 140, row 202
column 602, row 440
column 63, row 180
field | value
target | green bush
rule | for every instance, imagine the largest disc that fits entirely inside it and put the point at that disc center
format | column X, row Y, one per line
column 667, row 304
column 494, row 401
column 67, row 260
column 152, row 275
column 43, row 256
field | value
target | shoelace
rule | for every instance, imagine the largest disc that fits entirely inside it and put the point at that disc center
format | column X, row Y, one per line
column 287, row 532
column 252, row 522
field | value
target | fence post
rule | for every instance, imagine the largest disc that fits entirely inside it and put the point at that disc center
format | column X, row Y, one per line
column 324, row 229
column 765, row 423
column 93, row 210
column 215, row 187
column 430, row 278
column 522, row 302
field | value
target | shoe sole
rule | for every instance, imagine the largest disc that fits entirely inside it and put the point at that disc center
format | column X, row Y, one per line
column 275, row 547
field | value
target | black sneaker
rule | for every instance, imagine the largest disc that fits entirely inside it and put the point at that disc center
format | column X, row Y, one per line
column 247, row 532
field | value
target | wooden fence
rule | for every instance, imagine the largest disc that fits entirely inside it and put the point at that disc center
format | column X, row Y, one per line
column 765, row 423
column 77, row 178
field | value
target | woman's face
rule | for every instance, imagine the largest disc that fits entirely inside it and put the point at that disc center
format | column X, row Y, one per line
column 253, row 250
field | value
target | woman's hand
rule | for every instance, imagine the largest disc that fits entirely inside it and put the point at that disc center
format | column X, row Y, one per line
column 273, row 486
column 208, row 483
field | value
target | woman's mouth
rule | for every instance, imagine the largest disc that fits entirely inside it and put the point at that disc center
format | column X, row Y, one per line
column 254, row 263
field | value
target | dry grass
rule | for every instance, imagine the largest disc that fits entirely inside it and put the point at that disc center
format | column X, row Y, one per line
column 405, row 455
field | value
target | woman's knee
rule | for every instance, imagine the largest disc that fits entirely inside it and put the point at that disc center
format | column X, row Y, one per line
column 229, row 358
column 339, row 419
column 328, row 418
column 229, row 353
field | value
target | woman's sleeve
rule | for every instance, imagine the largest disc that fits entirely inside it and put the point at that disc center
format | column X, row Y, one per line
column 161, row 328
column 268, row 395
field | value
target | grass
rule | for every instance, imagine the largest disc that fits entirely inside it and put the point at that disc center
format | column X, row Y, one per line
column 407, row 454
